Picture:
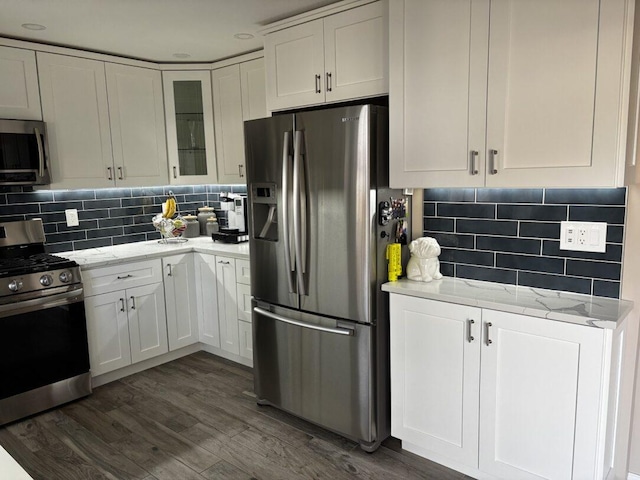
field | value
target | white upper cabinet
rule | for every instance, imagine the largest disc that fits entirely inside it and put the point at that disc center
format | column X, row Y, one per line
column 339, row 57
column 137, row 125
column 238, row 95
column 505, row 93
column 19, row 93
column 75, row 108
column 253, row 89
column 190, row 131
column 105, row 123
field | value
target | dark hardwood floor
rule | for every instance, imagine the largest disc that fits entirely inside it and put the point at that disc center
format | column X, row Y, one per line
column 194, row 418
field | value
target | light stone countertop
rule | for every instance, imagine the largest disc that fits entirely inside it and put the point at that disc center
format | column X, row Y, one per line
column 103, row 256
column 10, row 469
column 535, row 302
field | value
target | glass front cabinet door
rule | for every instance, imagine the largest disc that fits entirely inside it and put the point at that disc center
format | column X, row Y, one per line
column 190, row 130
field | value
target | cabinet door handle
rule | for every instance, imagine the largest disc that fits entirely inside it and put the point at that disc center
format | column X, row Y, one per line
column 328, row 81
column 224, row 263
column 240, row 170
column 120, row 173
column 133, row 303
column 122, row 304
column 492, row 162
column 318, row 84
column 124, row 276
column 170, row 271
column 109, row 173
column 175, row 172
column 474, row 162
column 470, row 323
column 487, row 326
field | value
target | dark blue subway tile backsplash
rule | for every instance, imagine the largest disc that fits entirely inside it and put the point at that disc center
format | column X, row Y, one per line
column 111, row 216
column 512, row 236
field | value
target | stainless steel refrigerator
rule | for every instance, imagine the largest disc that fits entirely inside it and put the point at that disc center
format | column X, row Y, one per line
column 315, row 181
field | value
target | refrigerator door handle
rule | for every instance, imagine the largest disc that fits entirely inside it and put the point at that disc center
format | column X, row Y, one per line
column 299, row 323
column 299, row 216
column 286, row 176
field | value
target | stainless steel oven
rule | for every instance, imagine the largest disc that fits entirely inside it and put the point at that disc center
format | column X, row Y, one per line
column 23, row 153
column 44, row 357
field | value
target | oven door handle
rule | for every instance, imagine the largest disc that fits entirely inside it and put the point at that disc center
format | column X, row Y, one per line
column 42, row 303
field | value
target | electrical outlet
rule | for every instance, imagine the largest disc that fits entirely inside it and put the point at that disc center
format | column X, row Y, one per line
column 583, row 236
column 72, row 217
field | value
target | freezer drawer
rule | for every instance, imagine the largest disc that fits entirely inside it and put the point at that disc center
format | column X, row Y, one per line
column 322, row 372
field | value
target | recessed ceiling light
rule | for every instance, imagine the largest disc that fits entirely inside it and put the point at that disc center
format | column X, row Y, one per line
column 243, row 36
column 33, row 26
column 181, row 55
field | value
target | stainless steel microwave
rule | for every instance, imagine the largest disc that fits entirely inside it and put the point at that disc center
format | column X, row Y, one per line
column 23, row 153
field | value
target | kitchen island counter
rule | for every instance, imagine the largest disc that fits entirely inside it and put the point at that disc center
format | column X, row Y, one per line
column 104, row 256
column 568, row 307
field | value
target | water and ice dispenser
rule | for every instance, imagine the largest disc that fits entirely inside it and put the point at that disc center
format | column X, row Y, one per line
column 264, row 208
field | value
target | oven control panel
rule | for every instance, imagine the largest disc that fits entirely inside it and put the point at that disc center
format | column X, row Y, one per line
column 39, row 281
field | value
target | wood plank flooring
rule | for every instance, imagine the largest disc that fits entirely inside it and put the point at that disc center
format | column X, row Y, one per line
column 194, row 418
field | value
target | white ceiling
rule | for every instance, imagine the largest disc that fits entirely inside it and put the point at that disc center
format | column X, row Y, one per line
column 149, row 29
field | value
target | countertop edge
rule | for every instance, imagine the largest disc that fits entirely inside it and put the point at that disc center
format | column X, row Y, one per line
column 617, row 309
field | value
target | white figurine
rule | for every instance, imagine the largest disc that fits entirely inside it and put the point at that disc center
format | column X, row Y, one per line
column 424, row 265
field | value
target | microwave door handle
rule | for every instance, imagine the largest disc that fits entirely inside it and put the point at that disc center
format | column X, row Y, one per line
column 286, row 178
column 297, row 213
column 40, row 152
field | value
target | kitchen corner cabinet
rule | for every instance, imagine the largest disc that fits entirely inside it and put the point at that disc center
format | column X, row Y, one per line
column 87, row 105
column 504, row 93
column 19, row 95
column 331, row 59
column 126, row 320
column 238, row 95
column 207, row 298
column 180, row 295
column 190, row 130
column 501, row 395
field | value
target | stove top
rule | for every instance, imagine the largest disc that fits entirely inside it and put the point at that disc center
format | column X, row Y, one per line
column 41, row 262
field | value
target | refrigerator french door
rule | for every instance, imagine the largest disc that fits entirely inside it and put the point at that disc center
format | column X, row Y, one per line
column 319, row 321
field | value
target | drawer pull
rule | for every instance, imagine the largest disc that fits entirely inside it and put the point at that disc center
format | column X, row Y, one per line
column 492, row 157
column 170, row 274
column 224, row 263
column 470, row 323
column 122, row 304
column 486, row 337
column 133, row 303
column 123, row 277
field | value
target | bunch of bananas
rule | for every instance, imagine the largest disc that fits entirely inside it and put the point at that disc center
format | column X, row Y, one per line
column 169, row 207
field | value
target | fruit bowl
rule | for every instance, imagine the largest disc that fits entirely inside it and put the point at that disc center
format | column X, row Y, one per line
column 171, row 229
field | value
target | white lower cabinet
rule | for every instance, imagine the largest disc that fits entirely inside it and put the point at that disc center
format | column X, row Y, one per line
column 207, row 298
column 125, row 326
column 227, row 304
column 500, row 395
column 180, row 293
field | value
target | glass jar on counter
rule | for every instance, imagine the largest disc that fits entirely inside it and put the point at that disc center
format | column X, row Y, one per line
column 212, row 225
column 203, row 214
column 193, row 227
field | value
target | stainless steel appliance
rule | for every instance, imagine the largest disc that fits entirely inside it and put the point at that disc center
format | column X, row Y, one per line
column 23, row 153
column 44, row 357
column 317, row 245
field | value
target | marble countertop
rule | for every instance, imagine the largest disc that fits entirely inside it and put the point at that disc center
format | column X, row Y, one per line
column 100, row 257
column 536, row 302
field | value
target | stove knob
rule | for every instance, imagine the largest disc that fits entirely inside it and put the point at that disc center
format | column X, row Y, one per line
column 66, row 277
column 15, row 285
column 46, row 280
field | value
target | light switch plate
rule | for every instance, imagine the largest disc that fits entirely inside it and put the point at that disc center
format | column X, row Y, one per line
column 583, row 236
column 72, row 217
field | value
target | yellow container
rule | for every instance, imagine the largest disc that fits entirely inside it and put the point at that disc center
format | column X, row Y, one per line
column 394, row 257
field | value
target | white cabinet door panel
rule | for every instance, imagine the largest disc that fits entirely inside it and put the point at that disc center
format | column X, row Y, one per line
column 137, row 125
column 539, row 398
column 147, row 321
column 243, row 271
column 356, row 46
column 19, row 95
column 244, row 302
column 295, row 71
column 435, row 376
column 245, row 340
column 108, row 332
column 180, row 297
column 227, row 304
column 227, row 117
column 207, row 297
column 254, row 95
column 74, row 105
